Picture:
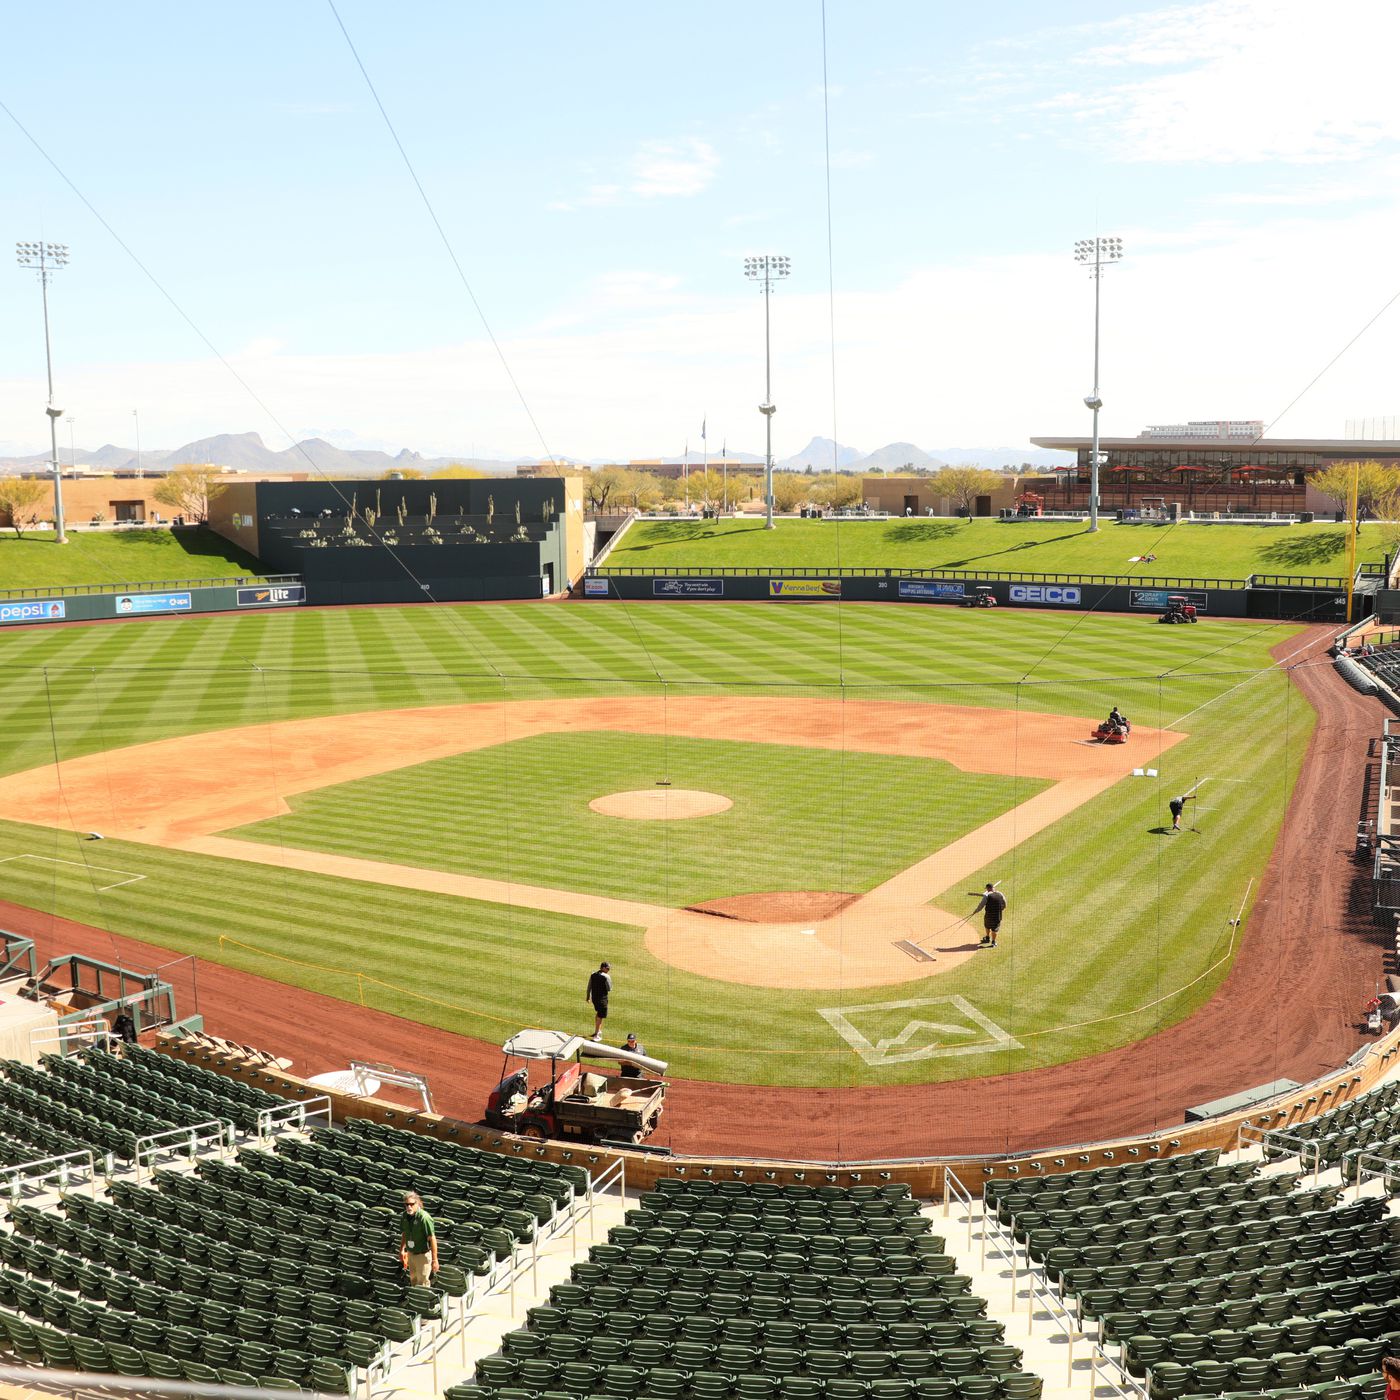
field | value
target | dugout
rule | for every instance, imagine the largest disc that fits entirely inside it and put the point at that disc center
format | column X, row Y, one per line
column 444, row 539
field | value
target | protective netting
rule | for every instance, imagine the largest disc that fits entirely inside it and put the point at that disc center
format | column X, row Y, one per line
column 399, row 835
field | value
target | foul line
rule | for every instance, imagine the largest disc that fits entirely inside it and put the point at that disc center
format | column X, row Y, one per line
column 81, row 865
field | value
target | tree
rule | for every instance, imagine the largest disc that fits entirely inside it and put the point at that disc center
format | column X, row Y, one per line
column 833, row 490
column 603, row 486
column 19, row 499
column 190, row 488
column 790, row 490
column 1378, row 486
column 638, row 490
column 965, row 484
column 706, row 488
column 456, row 472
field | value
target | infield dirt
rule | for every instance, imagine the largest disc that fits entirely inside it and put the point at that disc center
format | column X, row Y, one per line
column 168, row 794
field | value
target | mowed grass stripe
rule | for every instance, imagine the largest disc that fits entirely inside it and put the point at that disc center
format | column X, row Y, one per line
column 1082, row 938
column 801, row 820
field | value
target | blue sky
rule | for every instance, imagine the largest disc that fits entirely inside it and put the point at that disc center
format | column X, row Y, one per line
column 601, row 172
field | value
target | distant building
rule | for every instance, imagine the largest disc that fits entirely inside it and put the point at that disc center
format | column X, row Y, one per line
column 653, row 466
column 1244, row 473
column 1213, row 429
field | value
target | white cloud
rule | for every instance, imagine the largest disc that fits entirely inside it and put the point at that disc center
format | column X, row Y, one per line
column 681, row 169
column 655, row 170
column 1218, row 82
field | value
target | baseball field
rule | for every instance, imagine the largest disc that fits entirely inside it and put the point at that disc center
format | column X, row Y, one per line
column 771, row 821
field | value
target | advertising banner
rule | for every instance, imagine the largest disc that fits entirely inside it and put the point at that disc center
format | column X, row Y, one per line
column 595, row 587
column 687, row 588
column 39, row 610
column 1156, row 598
column 131, row 603
column 930, row 588
column 804, row 587
column 273, row 595
column 1055, row 593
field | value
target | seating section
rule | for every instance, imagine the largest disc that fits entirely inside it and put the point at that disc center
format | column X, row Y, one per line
column 1369, row 1124
column 1214, row 1279
column 280, row 1268
column 102, row 1103
column 760, row 1292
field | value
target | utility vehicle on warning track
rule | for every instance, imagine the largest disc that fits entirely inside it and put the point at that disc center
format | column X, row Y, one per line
column 576, row 1103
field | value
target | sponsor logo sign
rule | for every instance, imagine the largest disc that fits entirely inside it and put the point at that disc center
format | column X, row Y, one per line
column 804, row 587
column 132, row 603
column 687, row 588
column 930, row 588
column 272, row 596
column 1156, row 598
column 39, row 610
column 595, row 587
column 1054, row 593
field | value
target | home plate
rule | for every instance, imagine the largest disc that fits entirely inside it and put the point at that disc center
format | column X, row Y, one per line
column 914, row 951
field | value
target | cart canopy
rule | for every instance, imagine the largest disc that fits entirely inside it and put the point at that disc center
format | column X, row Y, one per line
column 560, row 1045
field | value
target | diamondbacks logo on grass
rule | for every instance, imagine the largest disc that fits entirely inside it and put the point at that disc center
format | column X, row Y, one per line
column 887, row 1033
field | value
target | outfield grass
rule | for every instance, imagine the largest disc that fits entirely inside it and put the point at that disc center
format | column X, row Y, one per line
column 802, row 819
column 1028, row 546
column 1107, row 918
column 119, row 557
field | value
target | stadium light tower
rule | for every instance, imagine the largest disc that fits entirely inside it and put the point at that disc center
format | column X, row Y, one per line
column 766, row 269
column 46, row 259
column 1096, row 254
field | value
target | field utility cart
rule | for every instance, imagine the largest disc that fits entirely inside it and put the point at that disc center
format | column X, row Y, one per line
column 575, row 1103
column 1179, row 609
column 980, row 597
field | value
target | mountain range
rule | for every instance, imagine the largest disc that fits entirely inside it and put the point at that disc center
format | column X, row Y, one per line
column 247, row 452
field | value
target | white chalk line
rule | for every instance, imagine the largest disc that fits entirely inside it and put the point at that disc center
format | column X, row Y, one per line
column 82, row 865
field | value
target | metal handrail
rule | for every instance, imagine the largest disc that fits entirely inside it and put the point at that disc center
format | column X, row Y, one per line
column 1385, row 1168
column 191, row 1139
column 293, row 1114
column 954, row 1189
column 1293, row 1145
column 94, row 1031
column 159, row 585
column 12, row 1178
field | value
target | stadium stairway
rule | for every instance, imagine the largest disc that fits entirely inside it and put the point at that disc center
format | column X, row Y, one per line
column 1267, row 1270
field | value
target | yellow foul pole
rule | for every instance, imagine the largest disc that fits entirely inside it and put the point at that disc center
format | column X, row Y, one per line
column 1354, row 527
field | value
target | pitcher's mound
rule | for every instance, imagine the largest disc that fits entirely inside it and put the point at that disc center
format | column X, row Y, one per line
column 660, row 804
column 780, row 907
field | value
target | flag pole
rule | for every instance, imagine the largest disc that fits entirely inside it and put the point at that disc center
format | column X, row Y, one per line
column 685, row 475
column 724, row 457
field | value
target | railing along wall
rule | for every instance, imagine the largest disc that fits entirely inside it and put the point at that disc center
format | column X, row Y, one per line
column 923, row 1175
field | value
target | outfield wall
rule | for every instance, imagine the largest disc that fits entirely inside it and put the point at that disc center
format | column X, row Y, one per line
column 148, row 600
column 1281, row 599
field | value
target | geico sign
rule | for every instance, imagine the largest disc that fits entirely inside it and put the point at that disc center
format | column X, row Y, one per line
column 1043, row 593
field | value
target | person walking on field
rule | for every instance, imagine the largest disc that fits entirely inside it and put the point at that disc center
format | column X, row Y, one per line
column 1178, row 805
column 991, row 906
column 418, row 1247
column 599, row 989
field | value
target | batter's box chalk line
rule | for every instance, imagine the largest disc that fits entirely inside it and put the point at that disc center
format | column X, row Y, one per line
column 130, row 879
column 928, row 1037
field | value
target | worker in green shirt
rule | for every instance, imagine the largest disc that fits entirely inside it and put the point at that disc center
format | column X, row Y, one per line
column 417, row 1240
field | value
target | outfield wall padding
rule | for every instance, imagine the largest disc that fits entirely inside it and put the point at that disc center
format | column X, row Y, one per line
column 893, row 588
column 147, row 603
